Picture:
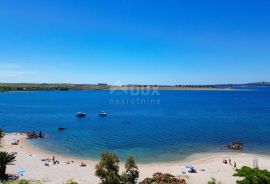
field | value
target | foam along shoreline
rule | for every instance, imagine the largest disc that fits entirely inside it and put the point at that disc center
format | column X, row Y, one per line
column 208, row 165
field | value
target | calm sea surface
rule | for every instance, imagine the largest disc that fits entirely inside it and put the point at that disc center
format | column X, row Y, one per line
column 151, row 126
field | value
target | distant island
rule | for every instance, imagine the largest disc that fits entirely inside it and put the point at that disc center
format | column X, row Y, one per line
column 254, row 84
column 6, row 87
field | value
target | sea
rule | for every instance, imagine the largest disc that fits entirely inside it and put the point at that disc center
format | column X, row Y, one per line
column 150, row 125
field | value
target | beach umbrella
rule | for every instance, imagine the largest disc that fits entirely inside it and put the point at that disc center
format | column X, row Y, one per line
column 189, row 166
column 20, row 172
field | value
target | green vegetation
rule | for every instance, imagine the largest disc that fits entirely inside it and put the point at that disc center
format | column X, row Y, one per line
column 108, row 172
column 107, row 169
column 22, row 182
column 17, row 182
column 160, row 178
column 71, row 181
column 213, row 181
column 253, row 176
column 4, row 87
column 1, row 133
column 5, row 159
column 131, row 175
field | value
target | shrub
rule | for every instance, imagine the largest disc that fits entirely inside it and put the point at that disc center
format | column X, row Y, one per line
column 1, row 133
column 253, row 176
column 23, row 181
column 71, row 181
column 161, row 178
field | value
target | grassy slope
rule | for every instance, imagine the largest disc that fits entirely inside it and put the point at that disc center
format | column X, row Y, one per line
column 48, row 87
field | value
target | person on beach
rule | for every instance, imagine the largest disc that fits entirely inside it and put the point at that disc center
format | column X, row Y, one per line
column 53, row 158
column 83, row 164
column 230, row 161
column 234, row 165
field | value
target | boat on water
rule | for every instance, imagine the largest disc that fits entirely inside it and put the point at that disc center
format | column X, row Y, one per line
column 102, row 113
column 81, row 114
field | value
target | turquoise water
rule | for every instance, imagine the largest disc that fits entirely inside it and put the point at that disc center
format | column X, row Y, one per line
column 151, row 126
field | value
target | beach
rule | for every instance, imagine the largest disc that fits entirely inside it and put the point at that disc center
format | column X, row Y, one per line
column 207, row 165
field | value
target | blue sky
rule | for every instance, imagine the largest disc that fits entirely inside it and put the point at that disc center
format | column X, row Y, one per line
column 135, row 41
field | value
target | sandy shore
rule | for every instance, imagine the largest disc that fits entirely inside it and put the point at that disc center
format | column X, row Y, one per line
column 29, row 159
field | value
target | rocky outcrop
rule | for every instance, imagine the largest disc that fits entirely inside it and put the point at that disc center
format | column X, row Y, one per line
column 34, row 135
column 235, row 145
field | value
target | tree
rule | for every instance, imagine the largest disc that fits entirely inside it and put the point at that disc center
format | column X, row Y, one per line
column 131, row 175
column 5, row 159
column 253, row 176
column 107, row 169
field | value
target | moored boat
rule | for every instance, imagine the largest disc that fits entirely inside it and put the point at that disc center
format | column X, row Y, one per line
column 102, row 113
column 81, row 114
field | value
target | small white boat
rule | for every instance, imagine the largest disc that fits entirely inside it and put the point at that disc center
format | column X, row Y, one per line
column 81, row 114
column 102, row 113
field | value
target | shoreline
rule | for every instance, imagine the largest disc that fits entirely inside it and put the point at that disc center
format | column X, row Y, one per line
column 29, row 159
column 195, row 157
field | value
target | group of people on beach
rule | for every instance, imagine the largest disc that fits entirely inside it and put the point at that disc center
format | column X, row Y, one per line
column 49, row 162
column 230, row 162
column 54, row 161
